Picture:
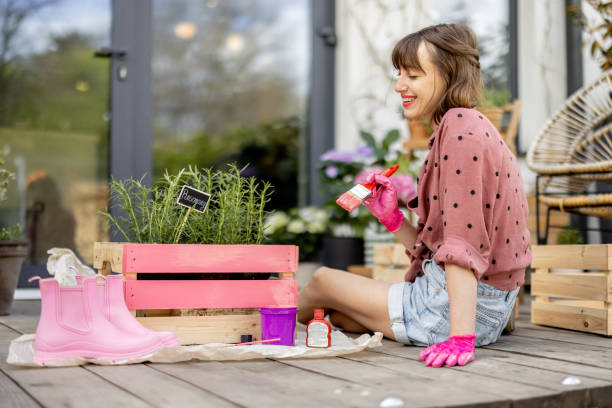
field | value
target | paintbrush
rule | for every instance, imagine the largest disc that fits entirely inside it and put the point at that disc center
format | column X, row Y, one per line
column 355, row 196
column 252, row 342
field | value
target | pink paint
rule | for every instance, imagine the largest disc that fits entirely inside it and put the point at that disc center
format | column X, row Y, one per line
column 181, row 258
column 196, row 294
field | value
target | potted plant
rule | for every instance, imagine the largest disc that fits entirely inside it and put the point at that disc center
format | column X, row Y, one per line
column 344, row 243
column 492, row 103
column 13, row 250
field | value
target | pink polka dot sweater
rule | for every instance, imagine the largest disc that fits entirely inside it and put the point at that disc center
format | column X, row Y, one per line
column 471, row 203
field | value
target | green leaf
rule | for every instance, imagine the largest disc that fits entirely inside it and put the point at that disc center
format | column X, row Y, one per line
column 391, row 137
column 368, row 138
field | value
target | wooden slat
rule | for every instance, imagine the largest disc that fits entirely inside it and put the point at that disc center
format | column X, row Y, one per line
column 206, row 329
column 572, row 256
column 391, row 275
column 390, row 254
column 181, row 258
column 157, row 388
column 269, row 390
column 108, row 252
column 361, row 369
column 361, row 270
column 552, row 349
column 63, row 387
column 591, row 286
column 504, row 378
column 13, row 396
column 380, row 368
column 583, row 318
column 203, row 294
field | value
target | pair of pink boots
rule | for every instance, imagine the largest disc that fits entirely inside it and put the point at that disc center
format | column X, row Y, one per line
column 91, row 320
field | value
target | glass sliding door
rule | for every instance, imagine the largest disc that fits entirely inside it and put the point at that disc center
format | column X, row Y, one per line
column 230, row 84
column 54, row 123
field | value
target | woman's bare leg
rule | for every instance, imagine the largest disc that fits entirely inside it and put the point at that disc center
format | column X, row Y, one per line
column 361, row 299
column 341, row 320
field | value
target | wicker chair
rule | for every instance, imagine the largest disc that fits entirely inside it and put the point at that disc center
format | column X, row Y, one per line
column 573, row 150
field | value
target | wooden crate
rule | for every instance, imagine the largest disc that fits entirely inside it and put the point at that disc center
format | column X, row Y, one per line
column 577, row 301
column 157, row 304
column 391, row 262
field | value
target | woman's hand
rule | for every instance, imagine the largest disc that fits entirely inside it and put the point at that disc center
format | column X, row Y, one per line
column 456, row 350
column 383, row 203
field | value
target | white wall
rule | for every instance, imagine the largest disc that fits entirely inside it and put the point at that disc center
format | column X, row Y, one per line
column 367, row 31
column 590, row 68
column 542, row 69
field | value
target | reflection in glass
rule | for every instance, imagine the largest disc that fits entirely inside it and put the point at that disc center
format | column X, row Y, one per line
column 490, row 21
column 230, row 83
column 53, row 122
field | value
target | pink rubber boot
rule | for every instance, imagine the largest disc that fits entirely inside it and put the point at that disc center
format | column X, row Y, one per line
column 72, row 325
column 115, row 310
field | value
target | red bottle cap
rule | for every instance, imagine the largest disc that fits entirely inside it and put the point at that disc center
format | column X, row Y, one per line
column 319, row 314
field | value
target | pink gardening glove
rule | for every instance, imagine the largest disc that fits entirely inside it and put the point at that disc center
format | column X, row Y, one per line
column 455, row 350
column 383, row 202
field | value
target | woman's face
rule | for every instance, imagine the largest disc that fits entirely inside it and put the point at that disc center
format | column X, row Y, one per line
column 420, row 90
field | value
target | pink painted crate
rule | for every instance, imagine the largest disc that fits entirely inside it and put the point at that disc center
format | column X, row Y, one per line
column 148, row 295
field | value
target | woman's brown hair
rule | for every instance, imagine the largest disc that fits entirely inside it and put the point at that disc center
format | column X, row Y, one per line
column 453, row 49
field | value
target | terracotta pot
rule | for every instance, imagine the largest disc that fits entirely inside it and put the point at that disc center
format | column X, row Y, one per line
column 12, row 254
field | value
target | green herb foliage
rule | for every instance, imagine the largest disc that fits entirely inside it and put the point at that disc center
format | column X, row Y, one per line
column 11, row 234
column 235, row 213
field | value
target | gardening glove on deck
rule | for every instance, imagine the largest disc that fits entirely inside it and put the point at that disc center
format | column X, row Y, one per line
column 455, row 350
column 383, row 203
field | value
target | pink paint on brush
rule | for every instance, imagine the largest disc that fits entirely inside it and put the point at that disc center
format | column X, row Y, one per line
column 355, row 196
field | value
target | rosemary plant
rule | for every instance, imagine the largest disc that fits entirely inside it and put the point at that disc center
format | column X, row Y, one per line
column 235, row 213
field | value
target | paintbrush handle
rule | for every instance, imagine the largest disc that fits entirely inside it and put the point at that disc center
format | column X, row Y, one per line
column 387, row 173
column 258, row 342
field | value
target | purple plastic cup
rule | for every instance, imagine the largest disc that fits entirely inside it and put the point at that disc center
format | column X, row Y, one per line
column 278, row 322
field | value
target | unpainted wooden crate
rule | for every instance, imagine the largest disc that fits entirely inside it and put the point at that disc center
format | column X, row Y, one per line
column 391, row 262
column 579, row 300
column 181, row 306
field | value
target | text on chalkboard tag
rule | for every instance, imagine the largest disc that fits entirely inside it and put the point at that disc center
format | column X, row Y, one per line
column 192, row 198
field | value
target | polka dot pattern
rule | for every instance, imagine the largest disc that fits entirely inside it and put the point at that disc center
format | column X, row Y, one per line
column 475, row 218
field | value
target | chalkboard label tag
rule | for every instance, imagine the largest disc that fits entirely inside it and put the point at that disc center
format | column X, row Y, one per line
column 192, row 198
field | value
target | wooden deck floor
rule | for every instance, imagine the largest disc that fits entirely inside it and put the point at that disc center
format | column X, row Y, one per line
column 525, row 369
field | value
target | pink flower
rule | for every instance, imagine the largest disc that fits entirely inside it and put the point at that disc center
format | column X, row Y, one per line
column 404, row 185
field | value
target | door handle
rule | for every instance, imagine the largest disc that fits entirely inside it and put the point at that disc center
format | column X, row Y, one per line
column 106, row 52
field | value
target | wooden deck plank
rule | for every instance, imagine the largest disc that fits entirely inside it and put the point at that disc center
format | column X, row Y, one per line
column 304, row 382
column 524, row 369
column 519, row 376
column 414, row 383
column 563, row 367
column 157, row 388
column 568, row 336
column 595, row 356
column 251, row 389
column 12, row 396
column 64, row 387
column 152, row 386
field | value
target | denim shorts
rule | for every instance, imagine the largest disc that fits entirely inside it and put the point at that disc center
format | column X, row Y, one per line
column 419, row 311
